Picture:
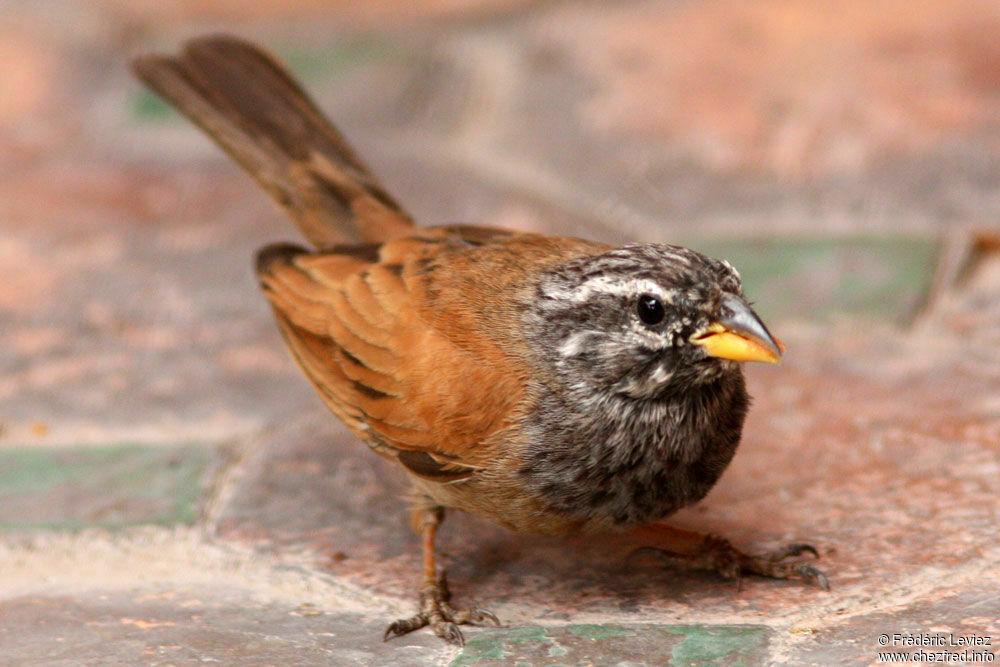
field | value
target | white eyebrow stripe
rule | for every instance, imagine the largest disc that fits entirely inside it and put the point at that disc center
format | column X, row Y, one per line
column 618, row 286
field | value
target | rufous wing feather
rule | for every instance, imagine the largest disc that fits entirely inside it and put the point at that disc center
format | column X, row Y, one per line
column 352, row 320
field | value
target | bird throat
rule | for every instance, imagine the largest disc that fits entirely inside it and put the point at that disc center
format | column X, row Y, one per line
column 615, row 461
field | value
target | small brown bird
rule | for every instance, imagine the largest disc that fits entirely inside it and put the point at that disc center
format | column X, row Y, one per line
column 550, row 385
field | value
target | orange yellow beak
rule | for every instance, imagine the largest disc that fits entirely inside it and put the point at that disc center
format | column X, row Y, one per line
column 739, row 335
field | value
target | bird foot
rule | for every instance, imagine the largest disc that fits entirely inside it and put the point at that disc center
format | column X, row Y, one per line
column 443, row 619
column 718, row 555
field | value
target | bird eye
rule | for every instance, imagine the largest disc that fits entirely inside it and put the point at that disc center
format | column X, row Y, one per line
column 650, row 309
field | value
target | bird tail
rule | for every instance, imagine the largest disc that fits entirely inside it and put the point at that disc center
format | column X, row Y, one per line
column 255, row 111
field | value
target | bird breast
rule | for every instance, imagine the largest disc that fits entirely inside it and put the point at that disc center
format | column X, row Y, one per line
column 617, row 462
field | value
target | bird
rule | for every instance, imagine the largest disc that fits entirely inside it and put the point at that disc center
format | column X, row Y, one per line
column 549, row 385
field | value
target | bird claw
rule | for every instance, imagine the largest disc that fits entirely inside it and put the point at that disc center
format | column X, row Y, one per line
column 718, row 555
column 793, row 549
column 811, row 575
column 443, row 619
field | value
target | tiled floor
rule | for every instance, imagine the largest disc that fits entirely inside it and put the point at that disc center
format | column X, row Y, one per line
column 171, row 491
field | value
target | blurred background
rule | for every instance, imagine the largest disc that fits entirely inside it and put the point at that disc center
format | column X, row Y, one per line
column 845, row 156
column 838, row 153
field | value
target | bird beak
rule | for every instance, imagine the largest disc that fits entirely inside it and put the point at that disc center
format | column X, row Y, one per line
column 739, row 335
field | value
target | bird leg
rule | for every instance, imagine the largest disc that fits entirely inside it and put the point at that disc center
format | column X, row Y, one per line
column 698, row 551
column 435, row 608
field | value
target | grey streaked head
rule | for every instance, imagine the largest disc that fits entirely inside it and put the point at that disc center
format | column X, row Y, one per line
column 622, row 322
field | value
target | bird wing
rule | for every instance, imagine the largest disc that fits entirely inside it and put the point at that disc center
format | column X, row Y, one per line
column 414, row 343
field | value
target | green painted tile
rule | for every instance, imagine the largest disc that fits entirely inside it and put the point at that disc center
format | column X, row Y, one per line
column 814, row 279
column 339, row 58
column 148, row 107
column 608, row 644
column 107, row 486
column 719, row 645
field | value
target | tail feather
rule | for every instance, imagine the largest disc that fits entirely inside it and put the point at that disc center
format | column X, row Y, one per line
column 252, row 108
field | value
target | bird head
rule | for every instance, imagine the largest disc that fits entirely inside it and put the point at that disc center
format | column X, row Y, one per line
column 646, row 319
